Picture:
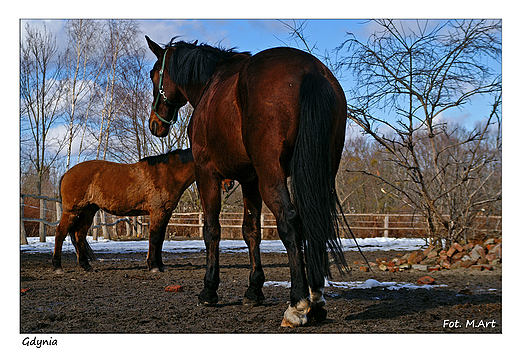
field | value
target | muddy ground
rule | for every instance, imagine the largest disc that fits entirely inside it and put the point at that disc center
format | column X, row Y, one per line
column 121, row 296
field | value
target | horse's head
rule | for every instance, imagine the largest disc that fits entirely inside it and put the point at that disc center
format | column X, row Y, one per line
column 167, row 97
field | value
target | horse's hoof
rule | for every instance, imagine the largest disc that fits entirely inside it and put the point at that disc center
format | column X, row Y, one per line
column 208, row 298
column 252, row 298
column 251, row 303
column 316, row 313
column 297, row 315
column 285, row 323
column 158, row 269
column 58, row 271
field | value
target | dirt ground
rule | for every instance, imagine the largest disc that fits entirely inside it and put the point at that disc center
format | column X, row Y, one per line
column 121, row 296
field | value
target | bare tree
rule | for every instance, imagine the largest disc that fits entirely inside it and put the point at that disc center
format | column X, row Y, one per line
column 134, row 140
column 41, row 90
column 119, row 41
column 358, row 192
column 82, row 71
column 131, row 125
column 407, row 75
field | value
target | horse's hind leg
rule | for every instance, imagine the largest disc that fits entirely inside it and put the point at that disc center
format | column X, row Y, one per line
column 276, row 196
column 316, row 282
column 81, row 228
column 66, row 223
column 317, row 311
column 252, row 235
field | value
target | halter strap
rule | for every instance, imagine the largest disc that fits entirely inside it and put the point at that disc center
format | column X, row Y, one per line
column 161, row 93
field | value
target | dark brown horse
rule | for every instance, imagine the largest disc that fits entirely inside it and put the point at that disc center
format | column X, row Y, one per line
column 152, row 186
column 260, row 119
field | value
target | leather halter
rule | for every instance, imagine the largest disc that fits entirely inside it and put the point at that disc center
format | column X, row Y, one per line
column 165, row 99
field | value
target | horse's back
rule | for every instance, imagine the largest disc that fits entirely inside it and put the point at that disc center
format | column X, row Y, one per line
column 96, row 182
column 283, row 64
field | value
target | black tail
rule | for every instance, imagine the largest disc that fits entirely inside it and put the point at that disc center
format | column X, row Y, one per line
column 313, row 178
column 90, row 252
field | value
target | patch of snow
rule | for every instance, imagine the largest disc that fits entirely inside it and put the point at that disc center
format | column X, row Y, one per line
column 383, row 244
column 178, row 246
column 275, row 283
column 372, row 283
column 368, row 284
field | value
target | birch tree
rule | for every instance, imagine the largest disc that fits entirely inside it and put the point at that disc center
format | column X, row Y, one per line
column 82, row 70
column 119, row 40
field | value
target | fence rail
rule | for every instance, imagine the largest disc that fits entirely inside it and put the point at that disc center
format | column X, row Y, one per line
column 191, row 224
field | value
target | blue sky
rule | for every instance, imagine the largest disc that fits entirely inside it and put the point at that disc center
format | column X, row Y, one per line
column 255, row 35
column 251, row 34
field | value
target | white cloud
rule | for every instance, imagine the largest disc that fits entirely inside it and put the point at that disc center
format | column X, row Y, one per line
column 60, row 133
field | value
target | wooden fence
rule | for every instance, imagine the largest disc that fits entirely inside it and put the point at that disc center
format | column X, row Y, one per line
column 402, row 225
column 191, row 224
column 49, row 217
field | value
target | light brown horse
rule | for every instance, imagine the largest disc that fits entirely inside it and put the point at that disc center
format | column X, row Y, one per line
column 152, row 186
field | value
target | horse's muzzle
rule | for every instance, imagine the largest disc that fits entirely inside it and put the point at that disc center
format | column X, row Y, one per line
column 157, row 128
column 153, row 127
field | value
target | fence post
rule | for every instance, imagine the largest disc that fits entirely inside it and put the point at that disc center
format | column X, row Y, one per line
column 138, row 223
column 386, row 226
column 262, row 223
column 134, row 226
column 58, row 211
column 128, row 227
column 43, row 230
column 201, row 225
column 104, row 227
column 95, row 230
column 23, row 235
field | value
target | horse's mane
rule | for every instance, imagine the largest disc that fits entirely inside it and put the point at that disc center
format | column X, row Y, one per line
column 195, row 64
column 185, row 156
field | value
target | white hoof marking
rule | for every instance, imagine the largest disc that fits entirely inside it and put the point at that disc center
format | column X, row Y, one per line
column 317, row 297
column 297, row 315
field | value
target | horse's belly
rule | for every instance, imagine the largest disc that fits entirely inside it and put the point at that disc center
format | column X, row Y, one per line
column 225, row 161
column 241, row 170
column 126, row 212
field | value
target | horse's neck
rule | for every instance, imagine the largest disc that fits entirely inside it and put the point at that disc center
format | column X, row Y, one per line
column 184, row 173
column 193, row 93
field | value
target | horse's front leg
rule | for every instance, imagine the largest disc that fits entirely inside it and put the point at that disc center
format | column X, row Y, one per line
column 158, row 224
column 209, row 190
column 251, row 232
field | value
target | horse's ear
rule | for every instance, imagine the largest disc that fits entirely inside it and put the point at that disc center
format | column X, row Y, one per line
column 156, row 49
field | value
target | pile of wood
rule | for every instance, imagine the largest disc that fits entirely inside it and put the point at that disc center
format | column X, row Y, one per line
column 478, row 255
